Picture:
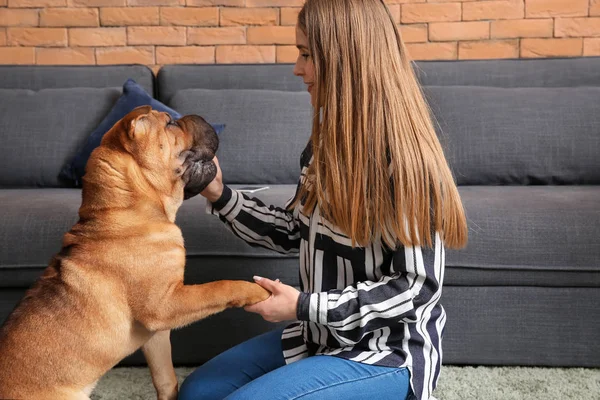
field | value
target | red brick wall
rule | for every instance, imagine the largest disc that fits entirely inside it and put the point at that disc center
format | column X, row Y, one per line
column 156, row 32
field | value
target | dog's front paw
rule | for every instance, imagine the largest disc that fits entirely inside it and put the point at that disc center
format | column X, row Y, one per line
column 258, row 294
column 249, row 293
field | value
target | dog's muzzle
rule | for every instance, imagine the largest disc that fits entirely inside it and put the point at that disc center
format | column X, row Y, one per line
column 200, row 170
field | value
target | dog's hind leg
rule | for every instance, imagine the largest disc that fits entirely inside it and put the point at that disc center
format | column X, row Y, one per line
column 157, row 351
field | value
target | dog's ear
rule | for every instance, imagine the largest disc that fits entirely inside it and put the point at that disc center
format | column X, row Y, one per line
column 137, row 127
column 135, row 121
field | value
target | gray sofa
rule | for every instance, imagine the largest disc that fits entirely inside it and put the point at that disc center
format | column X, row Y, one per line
column 522, row 138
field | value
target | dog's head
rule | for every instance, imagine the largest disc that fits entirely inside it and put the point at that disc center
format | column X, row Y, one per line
column 171, row 149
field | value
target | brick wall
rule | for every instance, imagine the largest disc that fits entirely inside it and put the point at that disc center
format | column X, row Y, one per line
column 156, row 32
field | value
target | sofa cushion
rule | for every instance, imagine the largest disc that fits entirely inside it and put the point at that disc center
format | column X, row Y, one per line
column 536, row 236
column 55, row 127
column 499, row 136
column 41, row 130
column 529, row 231
column 214, row 239
column 35, row 220
column 33, row 224
column 266, row 131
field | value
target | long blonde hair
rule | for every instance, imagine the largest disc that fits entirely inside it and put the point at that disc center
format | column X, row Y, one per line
column 378, row 168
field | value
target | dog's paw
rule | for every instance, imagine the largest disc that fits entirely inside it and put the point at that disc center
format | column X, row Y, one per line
column 249, row 293
column 259, row 294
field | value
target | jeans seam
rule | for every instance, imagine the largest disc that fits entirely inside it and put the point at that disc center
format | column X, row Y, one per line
column 343, row 383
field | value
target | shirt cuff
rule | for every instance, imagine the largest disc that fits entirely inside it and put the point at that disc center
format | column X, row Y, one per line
column 224, row 199
column 228, row 205
column 312, row 307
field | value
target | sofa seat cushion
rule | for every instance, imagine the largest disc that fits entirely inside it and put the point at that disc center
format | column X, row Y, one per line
column 33, row 222
column 538, row 236
column 529, row 235
column 206, row 235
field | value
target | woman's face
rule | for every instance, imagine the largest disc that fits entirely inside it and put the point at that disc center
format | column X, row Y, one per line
column 304, row 67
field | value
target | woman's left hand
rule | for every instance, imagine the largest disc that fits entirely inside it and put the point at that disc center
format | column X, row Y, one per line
column 282, row 304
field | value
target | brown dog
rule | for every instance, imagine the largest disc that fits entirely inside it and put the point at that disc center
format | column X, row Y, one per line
column 117, row 284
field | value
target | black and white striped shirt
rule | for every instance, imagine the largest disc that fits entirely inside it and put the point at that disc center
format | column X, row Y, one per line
column 373, row 305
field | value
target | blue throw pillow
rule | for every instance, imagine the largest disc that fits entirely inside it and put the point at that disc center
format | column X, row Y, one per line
column 133, row 96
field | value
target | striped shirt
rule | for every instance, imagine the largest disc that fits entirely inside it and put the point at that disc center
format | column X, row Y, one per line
column 373, row 305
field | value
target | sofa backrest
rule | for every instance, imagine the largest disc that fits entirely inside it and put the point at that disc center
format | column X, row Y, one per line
column 48, row 113
column 500, row 122
column 264, row 135
column 265, row 108
column 517, row 122
column 552, row 72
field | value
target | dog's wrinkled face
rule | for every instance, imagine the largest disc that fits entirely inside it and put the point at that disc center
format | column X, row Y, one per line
column 182, row 149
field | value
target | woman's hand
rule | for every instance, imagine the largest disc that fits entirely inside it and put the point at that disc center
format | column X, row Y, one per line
column 215, row 188
column 282, row 304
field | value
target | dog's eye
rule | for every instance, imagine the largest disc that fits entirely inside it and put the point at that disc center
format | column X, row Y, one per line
column 171, row 122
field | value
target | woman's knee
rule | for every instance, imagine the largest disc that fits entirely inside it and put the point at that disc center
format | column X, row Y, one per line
column 190, row 389
column 199, row 386
column 234, row 368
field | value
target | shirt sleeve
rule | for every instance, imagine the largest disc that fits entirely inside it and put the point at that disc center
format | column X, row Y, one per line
column 271, row 227
column 413, row 285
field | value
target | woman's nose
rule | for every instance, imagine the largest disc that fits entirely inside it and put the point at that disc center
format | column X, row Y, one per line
column 297, row 70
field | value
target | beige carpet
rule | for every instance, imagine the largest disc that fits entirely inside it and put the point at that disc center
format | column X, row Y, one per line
column 456, row 383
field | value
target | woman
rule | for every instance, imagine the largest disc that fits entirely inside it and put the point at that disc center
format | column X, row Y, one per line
column 374, row 208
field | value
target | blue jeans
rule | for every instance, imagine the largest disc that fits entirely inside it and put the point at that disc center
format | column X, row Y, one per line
column 256, row 369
